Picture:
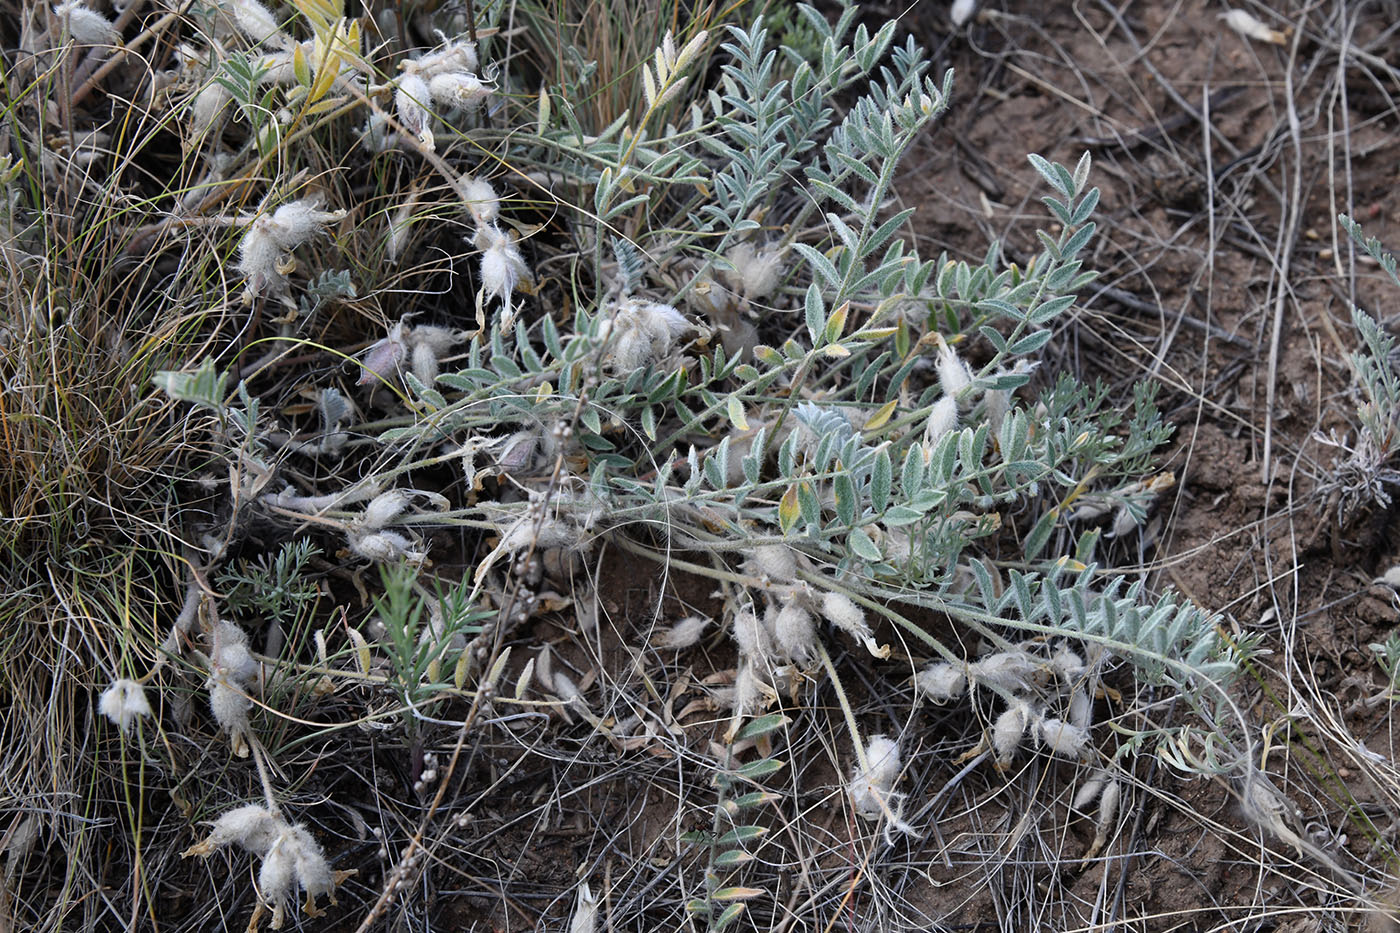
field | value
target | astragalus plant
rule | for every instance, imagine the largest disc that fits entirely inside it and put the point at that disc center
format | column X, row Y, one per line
column 461, row 324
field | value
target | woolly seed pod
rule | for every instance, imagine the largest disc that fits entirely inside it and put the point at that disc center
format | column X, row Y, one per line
column 941, row 682
column 1062, row 738
column 681, row 635
column 872, row 785
column 751, row 636
column 383, row 509
column 777, row 562
column 1009, row 730
column 481, row 200
column 123, row 702
column 253, row 827
column 84, row 25
column 795, row 632
column 411, row 100
column 457, row 89
column 840, row 611
column 502, row 266
column 953, row 374
column 942, row 420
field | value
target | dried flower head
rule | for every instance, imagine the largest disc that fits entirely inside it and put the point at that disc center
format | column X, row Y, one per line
column 961, row 11
column 123, row 703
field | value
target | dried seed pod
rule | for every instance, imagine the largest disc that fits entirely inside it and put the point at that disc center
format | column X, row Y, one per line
column 411, row 99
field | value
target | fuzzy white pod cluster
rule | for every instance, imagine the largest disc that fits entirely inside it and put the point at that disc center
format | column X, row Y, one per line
column 942, row 682
column 123, row 703
column 232, row 668
column 291, row 857
column 295, row 861
column 270, row 236
column 872, row 785
column 641, row 333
